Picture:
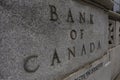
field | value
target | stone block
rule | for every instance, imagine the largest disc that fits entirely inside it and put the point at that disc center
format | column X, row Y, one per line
column 49, row 39
column 98, row 70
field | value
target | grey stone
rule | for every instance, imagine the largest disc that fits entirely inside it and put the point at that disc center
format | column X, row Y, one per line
column 115, row 66
column 98, row 70
column 35, row 47
column 117, row 33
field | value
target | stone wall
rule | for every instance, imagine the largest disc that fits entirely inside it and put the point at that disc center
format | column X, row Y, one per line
column 51, row 39
column 115, row 51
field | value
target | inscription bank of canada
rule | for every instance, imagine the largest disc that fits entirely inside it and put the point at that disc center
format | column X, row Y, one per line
column 54, row 16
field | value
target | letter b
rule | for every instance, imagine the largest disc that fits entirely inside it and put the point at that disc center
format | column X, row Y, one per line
column 53, row 13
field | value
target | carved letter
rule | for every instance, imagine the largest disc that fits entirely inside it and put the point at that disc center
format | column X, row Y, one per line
column 92, row 47
column 55, row 57
column 71, row 52
column 91, row 19
column 83, row 50
column 26, row 62
column 70, row 17
column 82, row 17
column 81, row 33
column 53, row 12
column 73, row 34
column 99, row 45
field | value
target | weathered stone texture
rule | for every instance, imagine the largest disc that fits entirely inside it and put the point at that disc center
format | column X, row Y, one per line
column 30, row 31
